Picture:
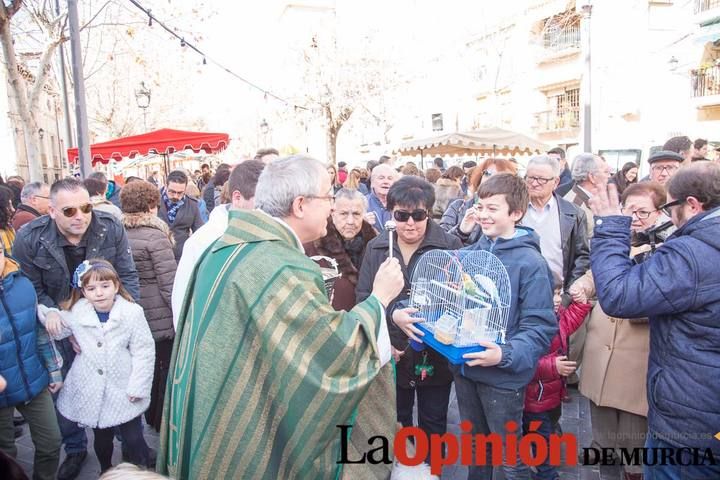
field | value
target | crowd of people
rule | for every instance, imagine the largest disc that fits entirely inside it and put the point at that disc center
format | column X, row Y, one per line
column 196, row 304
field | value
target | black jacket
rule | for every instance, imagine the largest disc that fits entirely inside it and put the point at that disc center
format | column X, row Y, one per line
column 42, row 260
column 187, row 221
column 376, row 253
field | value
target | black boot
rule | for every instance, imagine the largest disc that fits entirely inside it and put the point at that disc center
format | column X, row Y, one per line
column 70, row 468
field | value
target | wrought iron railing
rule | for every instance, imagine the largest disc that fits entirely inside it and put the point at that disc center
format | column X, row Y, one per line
column 555, row 120
column 705, row 81
column 561, row 39
column 705, row 5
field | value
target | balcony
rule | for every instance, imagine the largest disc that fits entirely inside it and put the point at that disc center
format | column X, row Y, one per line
column 705, row 84
column 559, row 120
column 562, row 39
column 706, row 11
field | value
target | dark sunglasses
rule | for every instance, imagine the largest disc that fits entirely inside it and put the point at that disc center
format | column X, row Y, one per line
column 417, row 215
column 71, row 211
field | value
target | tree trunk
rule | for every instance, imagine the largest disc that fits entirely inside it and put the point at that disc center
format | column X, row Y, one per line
column 331, row 145
column 27, row 117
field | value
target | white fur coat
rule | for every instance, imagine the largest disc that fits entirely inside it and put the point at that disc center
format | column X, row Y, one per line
column 116, row 362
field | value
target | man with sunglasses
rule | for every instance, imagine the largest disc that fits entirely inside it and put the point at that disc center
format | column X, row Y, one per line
column 678, row 288
column 49, row 250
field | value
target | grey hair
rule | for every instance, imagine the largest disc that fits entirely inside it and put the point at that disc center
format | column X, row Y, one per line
column 352, row 194
column 545, row 160
column 285, row 179
column 30, row 190
column 583, row 165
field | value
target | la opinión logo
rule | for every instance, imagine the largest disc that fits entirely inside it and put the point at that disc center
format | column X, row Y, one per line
column 511, row 448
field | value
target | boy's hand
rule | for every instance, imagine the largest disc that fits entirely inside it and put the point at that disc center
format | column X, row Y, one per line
column 402, row 319
column 55, row 387
column 488, row 358
column 468, row 221
column 564, row 366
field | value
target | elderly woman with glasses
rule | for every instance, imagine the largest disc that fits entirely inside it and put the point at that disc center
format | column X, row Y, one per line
column 456, row 210
column 616, row 352
column 410, row 200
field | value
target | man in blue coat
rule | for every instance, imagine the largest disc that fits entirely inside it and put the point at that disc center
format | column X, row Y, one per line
column 678, row 288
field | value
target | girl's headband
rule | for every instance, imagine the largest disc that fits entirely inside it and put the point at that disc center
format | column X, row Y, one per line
column 80, row 271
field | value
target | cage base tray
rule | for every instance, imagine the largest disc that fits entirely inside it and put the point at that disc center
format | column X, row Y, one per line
column 452, row 353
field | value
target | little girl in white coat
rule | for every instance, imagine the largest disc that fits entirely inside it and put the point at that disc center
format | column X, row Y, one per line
column 110, row 380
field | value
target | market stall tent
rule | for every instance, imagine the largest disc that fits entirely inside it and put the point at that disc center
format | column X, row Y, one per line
column 164, row 142
column 489, row 141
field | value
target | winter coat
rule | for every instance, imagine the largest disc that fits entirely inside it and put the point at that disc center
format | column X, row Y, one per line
column 24, row 214
column 100, row 203
column 333, row 246
column 446, row 191
column 547, row 388
column 581, row 200
column 382, row 215
column 678, row 288
column 208, row 195
column 42, row 259
column 454, row 214
column 531, row 320
column 117, row 362
column 152, row 244
column 375, row 254
column 566, row 183
column 20, row 362
column 187, row 221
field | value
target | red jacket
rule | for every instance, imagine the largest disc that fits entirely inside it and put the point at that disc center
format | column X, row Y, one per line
column 547, row 388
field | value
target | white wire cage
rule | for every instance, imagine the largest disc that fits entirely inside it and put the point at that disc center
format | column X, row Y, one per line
column 464, row 296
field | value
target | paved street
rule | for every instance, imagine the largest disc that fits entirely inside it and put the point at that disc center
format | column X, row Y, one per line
column 575, row 419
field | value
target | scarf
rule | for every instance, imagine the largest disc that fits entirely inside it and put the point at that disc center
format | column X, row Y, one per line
column 172, row 208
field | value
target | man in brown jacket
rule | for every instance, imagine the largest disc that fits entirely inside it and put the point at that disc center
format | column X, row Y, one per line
column 35, row 199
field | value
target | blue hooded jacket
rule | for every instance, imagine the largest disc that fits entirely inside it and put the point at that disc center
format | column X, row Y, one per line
column 531, row 321
column 678, row 288
column 20, row 362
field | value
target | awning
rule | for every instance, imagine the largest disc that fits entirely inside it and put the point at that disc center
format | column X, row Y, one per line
column 490, row 141
column 164, row 141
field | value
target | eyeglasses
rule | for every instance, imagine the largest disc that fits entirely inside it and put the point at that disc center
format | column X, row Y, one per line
column 666, row 207
column 641, row 214
column 322, row 197
column 666, row 168
column 72, row 211
column 404, row 216
column 539, row 180
column 41, row 196
column 487, row 173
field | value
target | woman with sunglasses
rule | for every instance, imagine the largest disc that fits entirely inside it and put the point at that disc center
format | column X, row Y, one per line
column 424, row 373
column 616, row 350
column 455, row 211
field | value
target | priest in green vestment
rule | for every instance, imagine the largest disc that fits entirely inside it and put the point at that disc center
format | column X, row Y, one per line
column 263, row 368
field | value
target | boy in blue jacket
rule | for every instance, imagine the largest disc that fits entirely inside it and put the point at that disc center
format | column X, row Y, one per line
column 31, row 365
column 490, row 386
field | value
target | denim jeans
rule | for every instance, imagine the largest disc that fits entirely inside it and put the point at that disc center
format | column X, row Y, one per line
column 678, row 472
column 73, row 436
column 488, row 408
column 544, row 471
column 133, row 441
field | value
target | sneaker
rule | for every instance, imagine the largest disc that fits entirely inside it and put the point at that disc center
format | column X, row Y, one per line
column 70, row 468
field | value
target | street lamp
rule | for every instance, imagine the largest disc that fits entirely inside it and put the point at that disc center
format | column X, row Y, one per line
column 142, row 97
column 264, row 127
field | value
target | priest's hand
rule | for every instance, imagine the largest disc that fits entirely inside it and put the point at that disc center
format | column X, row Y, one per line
column 389, row 281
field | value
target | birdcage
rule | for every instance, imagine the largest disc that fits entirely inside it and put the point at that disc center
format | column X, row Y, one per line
column 330, row 274
column 464, row 297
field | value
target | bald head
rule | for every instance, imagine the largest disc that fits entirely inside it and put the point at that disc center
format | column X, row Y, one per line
column 383, row 176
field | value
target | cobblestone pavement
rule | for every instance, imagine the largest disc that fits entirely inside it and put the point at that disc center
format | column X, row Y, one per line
column 575, row 419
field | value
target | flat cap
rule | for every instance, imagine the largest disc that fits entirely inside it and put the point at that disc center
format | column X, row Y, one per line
column 665, row 155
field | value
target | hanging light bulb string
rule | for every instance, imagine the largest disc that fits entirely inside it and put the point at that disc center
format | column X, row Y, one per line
column 152, row 19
